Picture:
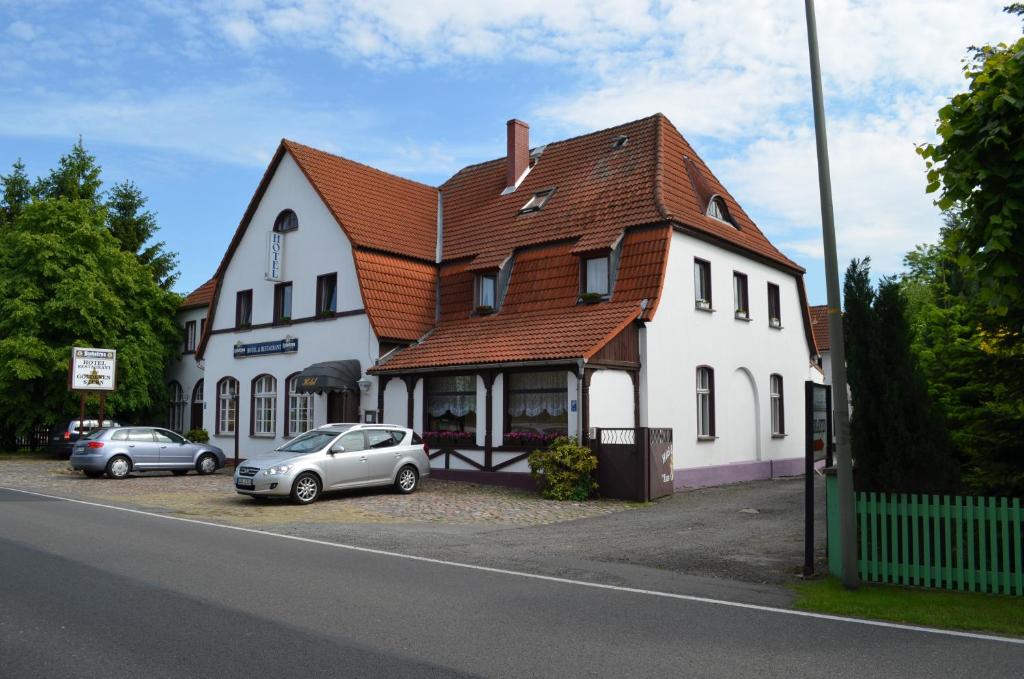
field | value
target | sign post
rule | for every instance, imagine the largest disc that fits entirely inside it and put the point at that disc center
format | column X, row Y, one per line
column 92, row 370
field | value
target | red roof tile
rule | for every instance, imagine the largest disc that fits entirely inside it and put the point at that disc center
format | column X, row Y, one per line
column 398, row 293
column 200, row 297
column 377, row 210
column 819, row 325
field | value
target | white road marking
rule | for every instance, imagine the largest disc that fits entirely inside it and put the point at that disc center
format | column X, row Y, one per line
column 547, row 578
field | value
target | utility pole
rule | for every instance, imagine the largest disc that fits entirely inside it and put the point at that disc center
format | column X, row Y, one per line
column 844, row 466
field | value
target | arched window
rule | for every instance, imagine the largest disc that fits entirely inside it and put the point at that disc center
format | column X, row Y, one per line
column 705, row 402
column 227, row 405
column 300, row 409
column 718, row 210
column 176, row 410
column 195, row 420
column 778, row 406
column 286, row 221
column 263, row 414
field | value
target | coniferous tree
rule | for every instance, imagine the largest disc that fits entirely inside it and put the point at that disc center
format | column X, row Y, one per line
column 899, row 440
column 17, row 193
column 134, row 226
column 76, row 177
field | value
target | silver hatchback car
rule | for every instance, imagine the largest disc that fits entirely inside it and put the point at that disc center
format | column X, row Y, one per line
column 334, row 457
column 116, row 451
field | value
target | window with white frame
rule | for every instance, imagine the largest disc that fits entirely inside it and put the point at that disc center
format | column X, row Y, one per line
column 705, row 402
column 537, row 201
column 778, row 412
column 264, row 405
column 176, row 412
column 486, row 293
column 451, row 403
column 227, row 405
column 300, row 409
column 190, row 337
column 702, row 284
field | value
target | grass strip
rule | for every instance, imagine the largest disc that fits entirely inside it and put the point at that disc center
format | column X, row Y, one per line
column 931, row 608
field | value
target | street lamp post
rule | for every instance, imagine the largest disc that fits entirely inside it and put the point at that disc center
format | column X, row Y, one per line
column 844, row 466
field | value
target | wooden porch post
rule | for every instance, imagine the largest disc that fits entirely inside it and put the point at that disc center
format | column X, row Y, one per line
column 410, row 386
column 382, row 384
column 588, row 374
column 488, row 377
column 634, row 375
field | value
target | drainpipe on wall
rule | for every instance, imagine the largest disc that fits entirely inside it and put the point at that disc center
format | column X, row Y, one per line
column 579, row 401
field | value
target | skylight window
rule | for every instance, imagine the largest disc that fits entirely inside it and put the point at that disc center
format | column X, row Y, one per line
column 537, row 201
column 620, row 141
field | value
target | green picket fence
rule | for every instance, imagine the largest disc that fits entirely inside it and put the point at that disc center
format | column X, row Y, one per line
column 960, row 543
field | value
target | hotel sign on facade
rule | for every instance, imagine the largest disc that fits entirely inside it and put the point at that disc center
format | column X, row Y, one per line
column 93, row 369
column 275, row 256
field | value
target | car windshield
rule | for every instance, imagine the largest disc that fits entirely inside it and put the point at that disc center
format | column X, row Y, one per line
column 309, row 442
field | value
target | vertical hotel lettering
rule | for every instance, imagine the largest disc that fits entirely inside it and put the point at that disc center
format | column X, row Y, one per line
column 275, row 255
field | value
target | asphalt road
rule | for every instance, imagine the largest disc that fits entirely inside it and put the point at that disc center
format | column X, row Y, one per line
column 94, row 592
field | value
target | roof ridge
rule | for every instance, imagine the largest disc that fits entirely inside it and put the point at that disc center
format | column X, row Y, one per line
column 290, row 142
column 557, row 142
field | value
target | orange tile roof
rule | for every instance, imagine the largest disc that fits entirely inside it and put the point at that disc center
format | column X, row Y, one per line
column 637, row 191
column 200, row 297
column 819, row 325
column 398, row 294
column 540, row 319
column 377, row 210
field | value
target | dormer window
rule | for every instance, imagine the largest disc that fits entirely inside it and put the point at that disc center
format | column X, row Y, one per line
column 486, row 293
column 718, row 210
column 286, row 221
column 537, row 201
column 596, row 277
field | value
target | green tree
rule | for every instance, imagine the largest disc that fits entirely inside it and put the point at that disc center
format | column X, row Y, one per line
column 134, row 226
column 979, row 166
column 978, row 382
column 76, row 177
column 65, row 281
column 899, row 440
column 17, row 193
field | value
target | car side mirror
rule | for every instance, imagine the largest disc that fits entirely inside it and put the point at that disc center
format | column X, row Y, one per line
column 337, row 449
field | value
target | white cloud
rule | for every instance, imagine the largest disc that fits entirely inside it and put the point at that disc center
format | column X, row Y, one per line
column 21, row 30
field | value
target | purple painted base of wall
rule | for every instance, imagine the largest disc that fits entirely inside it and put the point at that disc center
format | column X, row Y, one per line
column 507, row 479
column 737, row 472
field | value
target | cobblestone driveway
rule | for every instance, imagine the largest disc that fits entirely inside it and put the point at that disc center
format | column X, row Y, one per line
column 213, row 497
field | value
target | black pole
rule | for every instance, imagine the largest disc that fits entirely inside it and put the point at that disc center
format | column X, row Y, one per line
column 808, row 478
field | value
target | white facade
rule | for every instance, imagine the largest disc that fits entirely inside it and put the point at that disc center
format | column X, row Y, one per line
column 317, row 247
column 186, row 372
column 743, row 355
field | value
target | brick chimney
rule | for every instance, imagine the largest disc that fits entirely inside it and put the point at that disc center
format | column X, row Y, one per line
column 518, row 151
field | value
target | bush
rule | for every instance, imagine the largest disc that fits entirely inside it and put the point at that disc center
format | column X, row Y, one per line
column 565, row 470
column 198, row 435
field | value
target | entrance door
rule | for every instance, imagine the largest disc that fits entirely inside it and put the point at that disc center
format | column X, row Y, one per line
column 342, row 406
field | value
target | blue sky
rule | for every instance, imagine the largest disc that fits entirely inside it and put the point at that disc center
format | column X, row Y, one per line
column 190, row 100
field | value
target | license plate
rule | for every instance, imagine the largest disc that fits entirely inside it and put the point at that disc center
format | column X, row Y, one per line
column 244, row 483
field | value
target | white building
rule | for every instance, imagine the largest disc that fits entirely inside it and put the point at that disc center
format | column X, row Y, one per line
column 608, row 280
column 185, row 374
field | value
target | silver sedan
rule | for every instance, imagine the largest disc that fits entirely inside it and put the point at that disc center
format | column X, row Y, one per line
column 334, row 457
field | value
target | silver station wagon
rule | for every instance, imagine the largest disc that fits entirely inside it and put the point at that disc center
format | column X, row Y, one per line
column 117, row 451
column 334, row 457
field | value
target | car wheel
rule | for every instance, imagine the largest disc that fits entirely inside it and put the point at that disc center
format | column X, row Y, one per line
column 306, row 488
column 93, row 474
column 407, row 480
column 206, row 464
column 179, row 472
column 118, row 467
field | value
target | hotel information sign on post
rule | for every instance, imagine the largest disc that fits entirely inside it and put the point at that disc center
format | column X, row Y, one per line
column 93, row 369
column 275, row 256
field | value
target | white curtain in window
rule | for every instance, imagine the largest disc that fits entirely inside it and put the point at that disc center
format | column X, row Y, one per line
column 597, row 275
column 531, row 394
column 455, row 394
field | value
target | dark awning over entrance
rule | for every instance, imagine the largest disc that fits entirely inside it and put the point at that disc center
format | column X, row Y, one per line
column 331, row 376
